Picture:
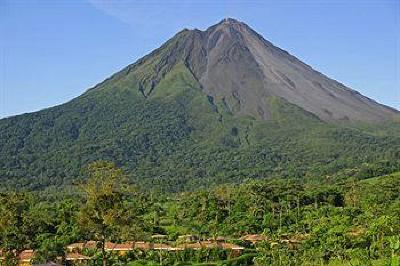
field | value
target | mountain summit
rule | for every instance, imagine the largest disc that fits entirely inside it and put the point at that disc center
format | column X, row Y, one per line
column 238, row 67
column 207, row 107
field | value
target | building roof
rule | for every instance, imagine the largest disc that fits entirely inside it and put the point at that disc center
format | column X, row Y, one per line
column 109, row 246
column 50, row 263
column 82, row 245
column 76, row 245
column 175, row 248
column 76, row 256
column 188, row 235
column 161, row 246
column 26, row 255
column 231, row 246
column 142, row 245
column 254, row 237
column 196, row 245
column 209, row 245
column 120, row 247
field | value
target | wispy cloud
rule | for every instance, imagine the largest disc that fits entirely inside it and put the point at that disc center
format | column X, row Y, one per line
column 145, row 14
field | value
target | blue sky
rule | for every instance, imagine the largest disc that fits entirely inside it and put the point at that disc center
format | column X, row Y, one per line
column 52, row 51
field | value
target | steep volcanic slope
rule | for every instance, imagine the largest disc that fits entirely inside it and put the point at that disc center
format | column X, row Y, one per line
column 242, row 64
column 240, row 69
column 207, row 107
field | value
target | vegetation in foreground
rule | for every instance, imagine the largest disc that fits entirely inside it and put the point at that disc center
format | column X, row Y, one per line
column 351, row 222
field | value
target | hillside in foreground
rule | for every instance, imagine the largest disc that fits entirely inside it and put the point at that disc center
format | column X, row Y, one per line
column 273, row 222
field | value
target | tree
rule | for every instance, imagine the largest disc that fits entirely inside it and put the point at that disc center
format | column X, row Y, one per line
column 105, row 213
column 61, row 229
column 15, row 230
column 51, row 247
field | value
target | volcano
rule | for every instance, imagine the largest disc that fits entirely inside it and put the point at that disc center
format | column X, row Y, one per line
column 207, row 107
column 235, row 65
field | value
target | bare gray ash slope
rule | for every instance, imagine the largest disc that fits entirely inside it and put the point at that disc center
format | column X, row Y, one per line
column 239, row 67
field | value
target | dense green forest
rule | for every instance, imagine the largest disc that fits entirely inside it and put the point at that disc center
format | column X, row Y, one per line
column 353, row 221
column 179, row 138
column 162, row 143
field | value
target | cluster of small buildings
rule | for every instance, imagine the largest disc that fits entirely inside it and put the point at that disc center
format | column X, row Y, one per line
column 73, row 251
column 292, row 242
column 25, row 258
column 123, row 248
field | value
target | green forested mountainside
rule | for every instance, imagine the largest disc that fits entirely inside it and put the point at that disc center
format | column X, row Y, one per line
column 178, row 138
column 345, row 223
